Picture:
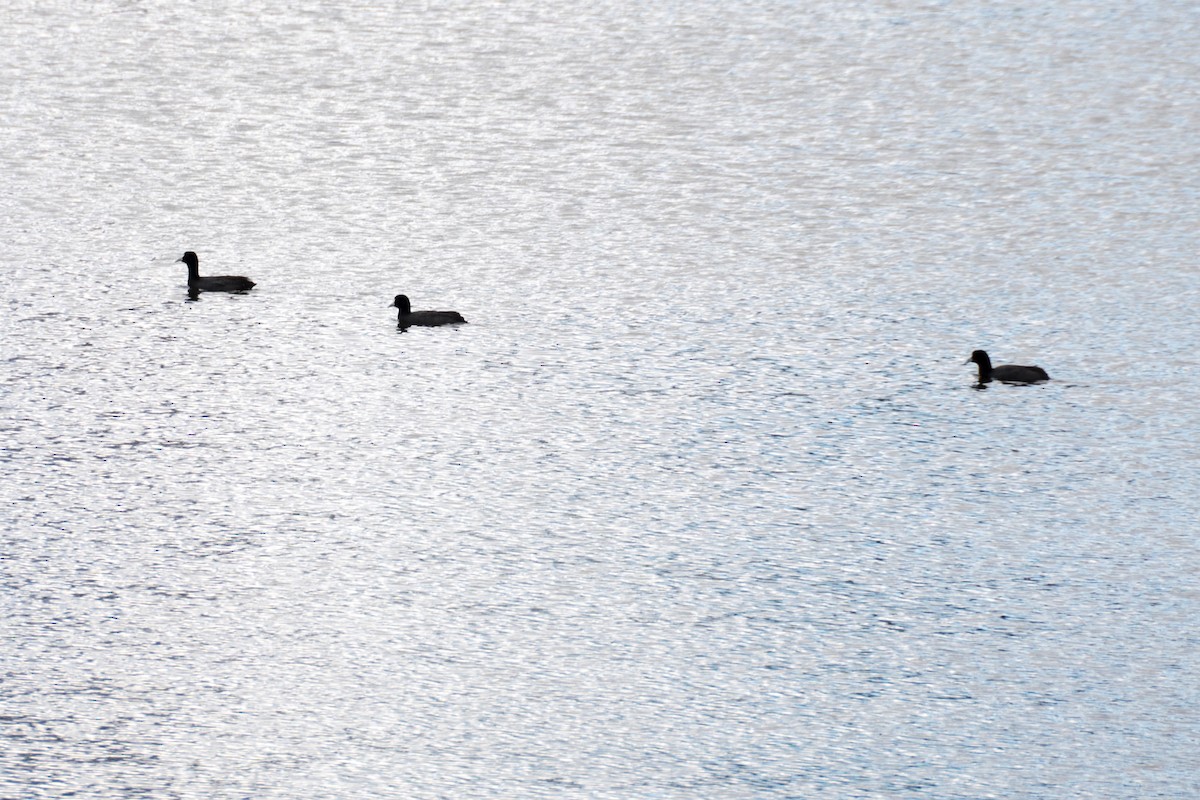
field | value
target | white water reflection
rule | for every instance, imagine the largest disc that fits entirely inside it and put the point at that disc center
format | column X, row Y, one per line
column 700, row 503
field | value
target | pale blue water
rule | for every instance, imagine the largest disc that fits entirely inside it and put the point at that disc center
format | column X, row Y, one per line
column 701, row 502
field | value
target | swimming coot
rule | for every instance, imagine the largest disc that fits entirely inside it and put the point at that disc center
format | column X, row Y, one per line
column 429, row 319
column 1006, row 373
column 213, row 283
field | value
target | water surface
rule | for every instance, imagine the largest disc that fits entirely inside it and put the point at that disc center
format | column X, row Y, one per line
column 701, row 502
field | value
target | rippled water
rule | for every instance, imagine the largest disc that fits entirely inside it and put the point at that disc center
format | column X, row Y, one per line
column 701, row 503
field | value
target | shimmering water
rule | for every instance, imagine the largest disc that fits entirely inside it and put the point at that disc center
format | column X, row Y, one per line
column 701, row 503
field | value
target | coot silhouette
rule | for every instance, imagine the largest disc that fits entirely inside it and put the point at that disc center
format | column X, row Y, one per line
column 1006, row 373
column 428, row 319
column 213, row 283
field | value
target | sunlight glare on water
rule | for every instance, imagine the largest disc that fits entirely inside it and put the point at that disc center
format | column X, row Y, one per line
column 701, row 502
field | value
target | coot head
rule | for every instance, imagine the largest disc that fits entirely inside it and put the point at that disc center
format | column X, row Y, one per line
column 979, row 357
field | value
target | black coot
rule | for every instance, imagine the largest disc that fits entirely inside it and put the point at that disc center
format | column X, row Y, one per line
column 429, row 319
column 1007, row 373
column 213, row 283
